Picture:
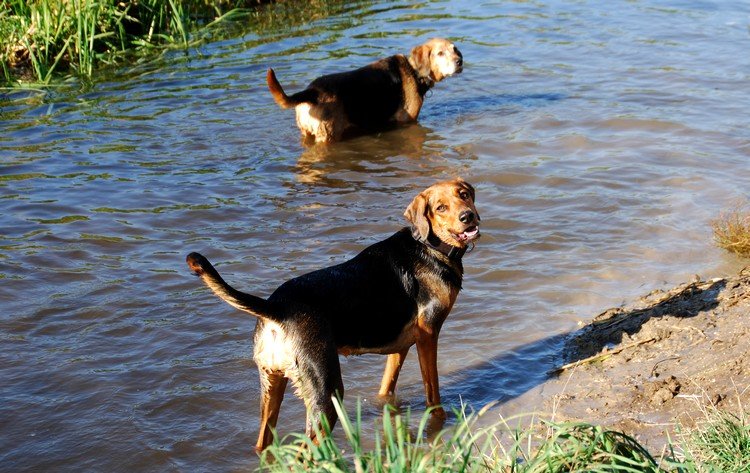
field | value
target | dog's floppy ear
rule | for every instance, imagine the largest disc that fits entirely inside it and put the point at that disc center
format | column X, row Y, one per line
column 420, row 60
column 416, row 213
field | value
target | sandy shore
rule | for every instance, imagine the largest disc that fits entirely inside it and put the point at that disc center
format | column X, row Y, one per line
column 652, row 368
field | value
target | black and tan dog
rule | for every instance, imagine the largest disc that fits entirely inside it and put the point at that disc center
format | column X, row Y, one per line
column 370, row 98
column 394, row 294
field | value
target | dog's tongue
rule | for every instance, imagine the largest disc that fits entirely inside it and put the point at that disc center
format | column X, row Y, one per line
column 468, row 234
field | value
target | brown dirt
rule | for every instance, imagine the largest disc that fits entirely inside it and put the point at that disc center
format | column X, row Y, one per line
column 655, row 366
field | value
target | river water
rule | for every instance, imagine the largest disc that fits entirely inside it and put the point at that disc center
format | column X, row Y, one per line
column 602, row 138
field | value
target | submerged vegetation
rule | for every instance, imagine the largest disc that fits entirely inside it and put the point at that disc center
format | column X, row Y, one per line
column 732, row 230
column 721, row 444
column 44, row 39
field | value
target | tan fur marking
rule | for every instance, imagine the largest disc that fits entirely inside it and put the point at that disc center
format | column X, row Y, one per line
column 412, row 104
column 273, row 385
column 274, row 351
column 325, row 122
column 390, row 375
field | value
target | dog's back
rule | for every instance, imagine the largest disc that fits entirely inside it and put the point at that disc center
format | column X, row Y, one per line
column 370, row 95
column 368, row 300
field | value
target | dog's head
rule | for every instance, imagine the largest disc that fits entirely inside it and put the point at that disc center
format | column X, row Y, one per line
column 436, row 59
column 446, row 210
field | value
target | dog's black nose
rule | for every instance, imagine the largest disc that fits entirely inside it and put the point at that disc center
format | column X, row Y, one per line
column 460, row 61
column 466, row 216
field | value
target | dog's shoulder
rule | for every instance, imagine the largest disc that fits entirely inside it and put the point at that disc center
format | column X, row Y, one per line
column 376, row 262
column 404, row 254
column 393, row 63
column 398, row 67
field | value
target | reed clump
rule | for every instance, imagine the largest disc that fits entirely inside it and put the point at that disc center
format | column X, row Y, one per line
column 732, row 230
column 40, row 39
column 721, row 444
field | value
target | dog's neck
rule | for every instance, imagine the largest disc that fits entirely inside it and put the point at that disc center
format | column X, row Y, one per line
column 432, row 241
column 424, row 83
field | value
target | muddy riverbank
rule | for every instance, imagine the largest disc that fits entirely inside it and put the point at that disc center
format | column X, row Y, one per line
column 656, row 365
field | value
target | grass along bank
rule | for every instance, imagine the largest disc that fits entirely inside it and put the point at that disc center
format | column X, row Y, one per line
column 721, row 444
column 41, row 40
column 732, row 229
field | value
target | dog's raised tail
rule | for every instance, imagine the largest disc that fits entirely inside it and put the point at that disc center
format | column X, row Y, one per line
column 287, row 101
column 246, row 302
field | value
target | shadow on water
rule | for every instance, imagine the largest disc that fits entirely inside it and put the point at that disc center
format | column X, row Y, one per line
column 508, row 375
column 364, row 155
column 495, row 102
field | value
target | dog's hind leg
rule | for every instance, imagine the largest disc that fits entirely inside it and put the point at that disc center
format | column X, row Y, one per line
column 273, row 383
column 393, row 365
column 321, row 383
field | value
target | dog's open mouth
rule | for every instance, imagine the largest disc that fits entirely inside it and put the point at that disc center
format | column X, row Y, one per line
column 470, row 234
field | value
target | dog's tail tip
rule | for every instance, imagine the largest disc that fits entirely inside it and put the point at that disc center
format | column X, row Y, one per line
column 277, row 92
column 197, row 263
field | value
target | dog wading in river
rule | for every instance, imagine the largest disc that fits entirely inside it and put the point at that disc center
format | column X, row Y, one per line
column 372, row 97
column 394, row 294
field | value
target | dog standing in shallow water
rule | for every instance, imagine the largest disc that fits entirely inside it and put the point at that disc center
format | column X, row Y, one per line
column 394, row 294
column 370, row 98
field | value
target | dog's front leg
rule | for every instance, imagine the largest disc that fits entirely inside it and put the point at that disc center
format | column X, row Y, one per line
column 427, row 352
column 393, row 365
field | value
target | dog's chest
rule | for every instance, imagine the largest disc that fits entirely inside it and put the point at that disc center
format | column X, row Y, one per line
column 436, row 298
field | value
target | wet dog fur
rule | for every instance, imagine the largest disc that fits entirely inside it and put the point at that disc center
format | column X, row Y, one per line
column 394, row 294
column 386, row 92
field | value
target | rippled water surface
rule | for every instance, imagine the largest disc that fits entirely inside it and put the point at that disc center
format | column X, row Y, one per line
column 602, row 139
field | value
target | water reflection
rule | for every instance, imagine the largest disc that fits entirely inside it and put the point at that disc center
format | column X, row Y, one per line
column 319, row 164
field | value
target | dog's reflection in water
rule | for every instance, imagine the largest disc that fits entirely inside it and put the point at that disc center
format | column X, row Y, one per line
column 371, row 154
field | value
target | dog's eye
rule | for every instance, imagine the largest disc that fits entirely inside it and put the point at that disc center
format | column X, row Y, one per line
column 440, row 53
column 441, row 208
column 464, row 195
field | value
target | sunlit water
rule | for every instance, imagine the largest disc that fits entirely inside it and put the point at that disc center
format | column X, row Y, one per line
column 602, row 138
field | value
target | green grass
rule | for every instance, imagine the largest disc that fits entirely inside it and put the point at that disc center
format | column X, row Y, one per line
column 45, row 36
column 721, row 445
column 44, row 39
